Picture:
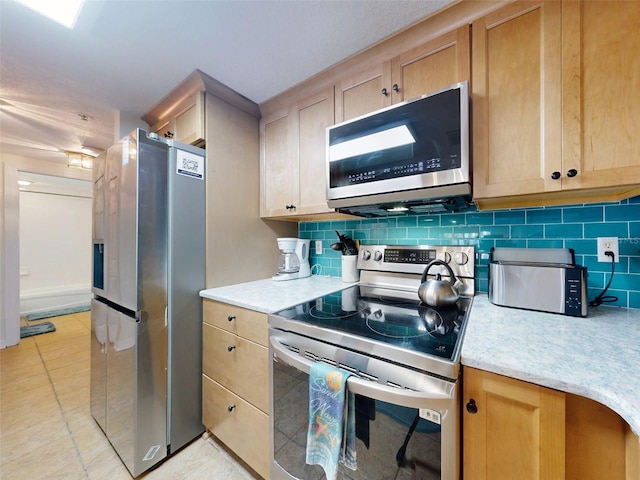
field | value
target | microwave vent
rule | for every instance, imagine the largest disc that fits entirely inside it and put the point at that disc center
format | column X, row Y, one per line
column 446, row 205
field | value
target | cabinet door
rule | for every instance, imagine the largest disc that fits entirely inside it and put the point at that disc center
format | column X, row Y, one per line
column 363, row 93
column 313, row 116
column 601, row 93
column 516, row 95
column 517, row 430
column 189, row 124
column 432, row 66
column 241, row 426
column 279, row 165
column 237, row 364
column 243, row 322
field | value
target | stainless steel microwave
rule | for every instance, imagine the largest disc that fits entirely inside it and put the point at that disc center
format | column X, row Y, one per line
column 413, row 156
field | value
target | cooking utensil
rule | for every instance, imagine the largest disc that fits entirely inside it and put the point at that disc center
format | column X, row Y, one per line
column 349, row 246
column 337, row 246
column 437, row 292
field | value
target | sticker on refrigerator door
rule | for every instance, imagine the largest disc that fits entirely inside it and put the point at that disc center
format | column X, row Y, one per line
column 190, row 165
column 151, row 453
column 431, row 415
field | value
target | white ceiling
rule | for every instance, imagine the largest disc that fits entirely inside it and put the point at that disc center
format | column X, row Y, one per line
column 123, row 56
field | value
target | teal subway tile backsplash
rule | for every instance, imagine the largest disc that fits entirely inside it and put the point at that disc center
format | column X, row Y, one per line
column 544, row 215
column 582, row 214
column 575, row 226
column 607, row 229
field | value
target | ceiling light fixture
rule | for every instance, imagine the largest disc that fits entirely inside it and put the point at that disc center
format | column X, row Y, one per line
column 65, row 12
column 79, row 160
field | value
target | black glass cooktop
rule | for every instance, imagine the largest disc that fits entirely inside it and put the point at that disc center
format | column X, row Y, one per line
column 406, row 324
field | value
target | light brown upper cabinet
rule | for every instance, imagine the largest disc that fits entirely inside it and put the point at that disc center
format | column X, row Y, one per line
column 555, row 103
column 516, row 91
column 422, row 69
column 187, row 123
column 293, row 158
column 601, row 93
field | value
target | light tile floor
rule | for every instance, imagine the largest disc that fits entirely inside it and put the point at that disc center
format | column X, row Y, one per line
column 46, row 429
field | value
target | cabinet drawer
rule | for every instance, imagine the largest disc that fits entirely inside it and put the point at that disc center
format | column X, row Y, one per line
column 242, row 427
column 237, row 364
column 240, row 321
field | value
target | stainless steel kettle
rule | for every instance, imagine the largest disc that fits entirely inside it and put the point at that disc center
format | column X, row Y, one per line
column 437, row 292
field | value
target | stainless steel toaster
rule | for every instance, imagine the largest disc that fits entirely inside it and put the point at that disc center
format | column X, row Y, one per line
column 543, row 279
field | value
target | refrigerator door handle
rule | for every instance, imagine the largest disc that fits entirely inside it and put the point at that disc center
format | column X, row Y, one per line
column 166, row 315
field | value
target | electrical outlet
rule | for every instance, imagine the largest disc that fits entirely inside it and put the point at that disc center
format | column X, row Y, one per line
column 607, row 244
column 318, row 247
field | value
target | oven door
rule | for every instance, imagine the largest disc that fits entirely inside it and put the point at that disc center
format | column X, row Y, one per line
column 394, row 438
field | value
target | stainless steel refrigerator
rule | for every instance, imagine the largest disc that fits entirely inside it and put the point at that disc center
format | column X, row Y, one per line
column 146, row 315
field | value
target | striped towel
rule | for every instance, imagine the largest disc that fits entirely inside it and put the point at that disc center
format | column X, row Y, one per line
column 330, row 438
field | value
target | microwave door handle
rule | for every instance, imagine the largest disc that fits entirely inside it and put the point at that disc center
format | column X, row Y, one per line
column 432, row 395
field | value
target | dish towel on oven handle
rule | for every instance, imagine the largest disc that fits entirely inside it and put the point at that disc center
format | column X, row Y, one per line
column 331, row 436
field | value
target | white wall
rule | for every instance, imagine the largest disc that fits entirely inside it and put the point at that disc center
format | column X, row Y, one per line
column 10, row 166
column 55, row 251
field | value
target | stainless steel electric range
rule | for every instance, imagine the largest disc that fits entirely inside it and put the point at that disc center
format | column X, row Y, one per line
column 404, row 357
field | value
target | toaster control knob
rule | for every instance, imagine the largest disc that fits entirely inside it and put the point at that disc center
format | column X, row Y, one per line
column 461, row 258
column 366, row 254
column 377, row 256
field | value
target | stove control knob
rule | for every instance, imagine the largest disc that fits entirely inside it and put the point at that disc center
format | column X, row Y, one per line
column 445, row 257
column 366, row 254
column 461, row 258
column 377, row 256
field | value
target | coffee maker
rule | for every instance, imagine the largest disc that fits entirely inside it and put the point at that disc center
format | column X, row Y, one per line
column 294, row 259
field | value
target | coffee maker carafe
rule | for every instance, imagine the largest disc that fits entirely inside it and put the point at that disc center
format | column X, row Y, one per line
column 294, row 259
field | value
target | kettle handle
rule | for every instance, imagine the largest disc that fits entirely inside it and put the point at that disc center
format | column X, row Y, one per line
column 452, row 276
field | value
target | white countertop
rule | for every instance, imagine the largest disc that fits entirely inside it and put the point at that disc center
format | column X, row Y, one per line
column 269, row 296
column 596, row 357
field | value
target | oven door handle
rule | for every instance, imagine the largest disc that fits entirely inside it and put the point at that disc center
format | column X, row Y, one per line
column 431, row 395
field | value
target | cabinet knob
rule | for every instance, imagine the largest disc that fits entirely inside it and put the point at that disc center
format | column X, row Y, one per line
column 572, row 173
column 230, row 408
column 384, row 92
column 230, row 348
column 231, row 318
column 555, row 175
column 395, row 87
column 168, row 134
column 471, row 406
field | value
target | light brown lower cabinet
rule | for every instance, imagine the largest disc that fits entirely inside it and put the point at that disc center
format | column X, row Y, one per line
column 235, row 381
column 238, row 424
column 517, row 430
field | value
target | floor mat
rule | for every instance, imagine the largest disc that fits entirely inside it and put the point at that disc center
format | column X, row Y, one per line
column 56, row 313
column 30, row 330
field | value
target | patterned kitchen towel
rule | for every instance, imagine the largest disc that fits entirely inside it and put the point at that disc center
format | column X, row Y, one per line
column 330, row 438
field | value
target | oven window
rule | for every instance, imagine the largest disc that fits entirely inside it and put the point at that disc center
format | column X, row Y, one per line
column 392, row 441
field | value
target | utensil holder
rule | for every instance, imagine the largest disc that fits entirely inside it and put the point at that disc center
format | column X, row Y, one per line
column 349, row 269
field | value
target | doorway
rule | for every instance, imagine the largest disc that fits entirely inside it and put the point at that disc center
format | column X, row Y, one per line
column 54, row 243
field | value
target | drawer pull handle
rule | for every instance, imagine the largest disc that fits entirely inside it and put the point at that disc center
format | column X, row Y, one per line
column 231, row 318
column 230, row 408
column 230, row 348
